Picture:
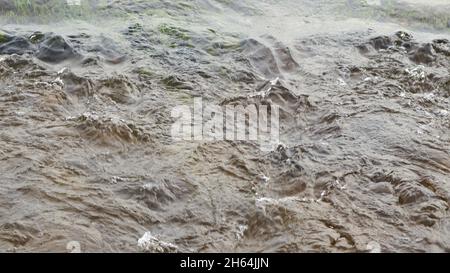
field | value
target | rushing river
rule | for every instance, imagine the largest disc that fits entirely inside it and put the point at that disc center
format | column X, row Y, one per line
column 88, row 161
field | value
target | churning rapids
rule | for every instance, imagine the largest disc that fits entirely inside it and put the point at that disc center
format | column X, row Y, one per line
column 87, row 159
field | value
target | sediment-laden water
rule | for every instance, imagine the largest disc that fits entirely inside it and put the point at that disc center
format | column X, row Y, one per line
column 86, row 153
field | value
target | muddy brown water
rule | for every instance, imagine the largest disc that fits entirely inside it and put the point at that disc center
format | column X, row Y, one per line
column 363, row 164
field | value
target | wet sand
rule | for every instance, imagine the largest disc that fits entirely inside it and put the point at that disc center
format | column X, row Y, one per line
column 364, row 155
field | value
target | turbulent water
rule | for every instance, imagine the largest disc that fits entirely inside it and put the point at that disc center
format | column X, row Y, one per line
column 87, row 160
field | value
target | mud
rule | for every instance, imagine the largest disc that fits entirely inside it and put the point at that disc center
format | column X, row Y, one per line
column 362, row 164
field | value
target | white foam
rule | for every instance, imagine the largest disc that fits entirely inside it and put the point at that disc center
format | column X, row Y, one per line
column 150, row 243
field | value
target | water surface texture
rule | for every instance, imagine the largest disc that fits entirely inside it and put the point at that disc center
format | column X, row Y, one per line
column 87, row 158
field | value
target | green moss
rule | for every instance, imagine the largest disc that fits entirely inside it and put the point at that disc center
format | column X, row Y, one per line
column 144, row 72
column 174, row 32
column 3, row 38
column 227, row 2
column 183, row 98
column 173, row 82
column 186, row 5
column 36, row 37
column 223, row 71
column 219, row 48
